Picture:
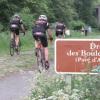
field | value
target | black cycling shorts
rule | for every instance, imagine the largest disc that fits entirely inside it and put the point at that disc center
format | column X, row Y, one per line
column 15, row 30
column 59, row 33
column 43, row 39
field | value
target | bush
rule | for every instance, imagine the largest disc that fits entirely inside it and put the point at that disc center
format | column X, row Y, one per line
column 49, row 88
column 27, row 20
column 77, row 25
column 88, row 86
column 83, row 88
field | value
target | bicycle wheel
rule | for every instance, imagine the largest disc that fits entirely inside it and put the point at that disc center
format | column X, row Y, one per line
column 40, row 60
column 18, row 48
column 43, row 58
column 12, row 47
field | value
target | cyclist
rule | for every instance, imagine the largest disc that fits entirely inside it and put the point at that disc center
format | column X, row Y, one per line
column 42, row 26
column 60, row 29
column 15, row 25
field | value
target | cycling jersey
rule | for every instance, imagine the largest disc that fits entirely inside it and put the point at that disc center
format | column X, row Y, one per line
column 40, row 26
column 60, row 27
column 39, row 31
column 15, row 25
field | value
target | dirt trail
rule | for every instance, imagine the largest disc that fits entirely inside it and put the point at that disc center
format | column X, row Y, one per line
column 16, row 86
column 17, row 75
column 22, row 77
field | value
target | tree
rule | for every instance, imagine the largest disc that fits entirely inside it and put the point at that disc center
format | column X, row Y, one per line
column 85, row 9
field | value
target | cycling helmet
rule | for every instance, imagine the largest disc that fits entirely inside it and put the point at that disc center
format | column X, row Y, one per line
column 44, row 17
column 17, row 16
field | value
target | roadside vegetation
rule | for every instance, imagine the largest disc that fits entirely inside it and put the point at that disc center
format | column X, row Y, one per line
column 56, row 88
column 27, row 41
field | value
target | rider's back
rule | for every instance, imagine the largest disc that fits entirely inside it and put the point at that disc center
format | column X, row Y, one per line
column 40, row 26
column 60, row 26
column 15, row 23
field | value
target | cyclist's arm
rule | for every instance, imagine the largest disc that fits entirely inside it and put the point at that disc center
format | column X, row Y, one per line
column 22, row 27
column 50, row 34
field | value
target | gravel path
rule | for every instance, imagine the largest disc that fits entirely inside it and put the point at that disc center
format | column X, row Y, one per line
column 18, row 76
column 16, row 86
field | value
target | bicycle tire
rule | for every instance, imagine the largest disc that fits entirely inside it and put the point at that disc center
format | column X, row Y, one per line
column 19, row 48
column 43, row 58
column 40, row 60
column 12, row 49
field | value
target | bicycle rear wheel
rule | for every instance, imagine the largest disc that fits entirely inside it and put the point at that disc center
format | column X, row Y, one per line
column 12, row 48
column 18, row 48
column 40, row 60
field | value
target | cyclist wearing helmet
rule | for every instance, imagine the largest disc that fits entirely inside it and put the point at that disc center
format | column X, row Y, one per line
column 15, row 25
column 42, row 26
column 60, row 29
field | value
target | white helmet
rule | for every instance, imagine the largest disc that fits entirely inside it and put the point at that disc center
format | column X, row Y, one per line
column 16, row 15
column 44, row 17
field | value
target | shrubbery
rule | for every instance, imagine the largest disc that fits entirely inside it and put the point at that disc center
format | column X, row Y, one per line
column 83, row 88
column 77, row 25
column 28, row 20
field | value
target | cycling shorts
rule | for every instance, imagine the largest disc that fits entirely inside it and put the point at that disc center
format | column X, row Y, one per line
column 43, row 39
column 59, row 33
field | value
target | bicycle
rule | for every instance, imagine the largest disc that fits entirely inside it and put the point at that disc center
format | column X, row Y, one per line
column 13, row 46
column 40, row 53
column 40, row 56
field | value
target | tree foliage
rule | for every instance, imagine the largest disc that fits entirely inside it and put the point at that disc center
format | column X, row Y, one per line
column 65, row 10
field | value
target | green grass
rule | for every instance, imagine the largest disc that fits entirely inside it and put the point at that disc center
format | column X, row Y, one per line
column 77, row 34
column 27, row 41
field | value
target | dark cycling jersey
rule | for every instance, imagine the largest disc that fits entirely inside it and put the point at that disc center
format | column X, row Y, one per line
column 41, row 26
column 15, row 23
column 60, row 27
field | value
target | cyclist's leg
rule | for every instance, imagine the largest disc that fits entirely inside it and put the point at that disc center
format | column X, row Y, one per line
column 45, row 46
column 17, row 38
column 62, row 34
column 59, row 34
column 56, row 34
column 46, row 52
column 12, row 34
column 36, row 43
